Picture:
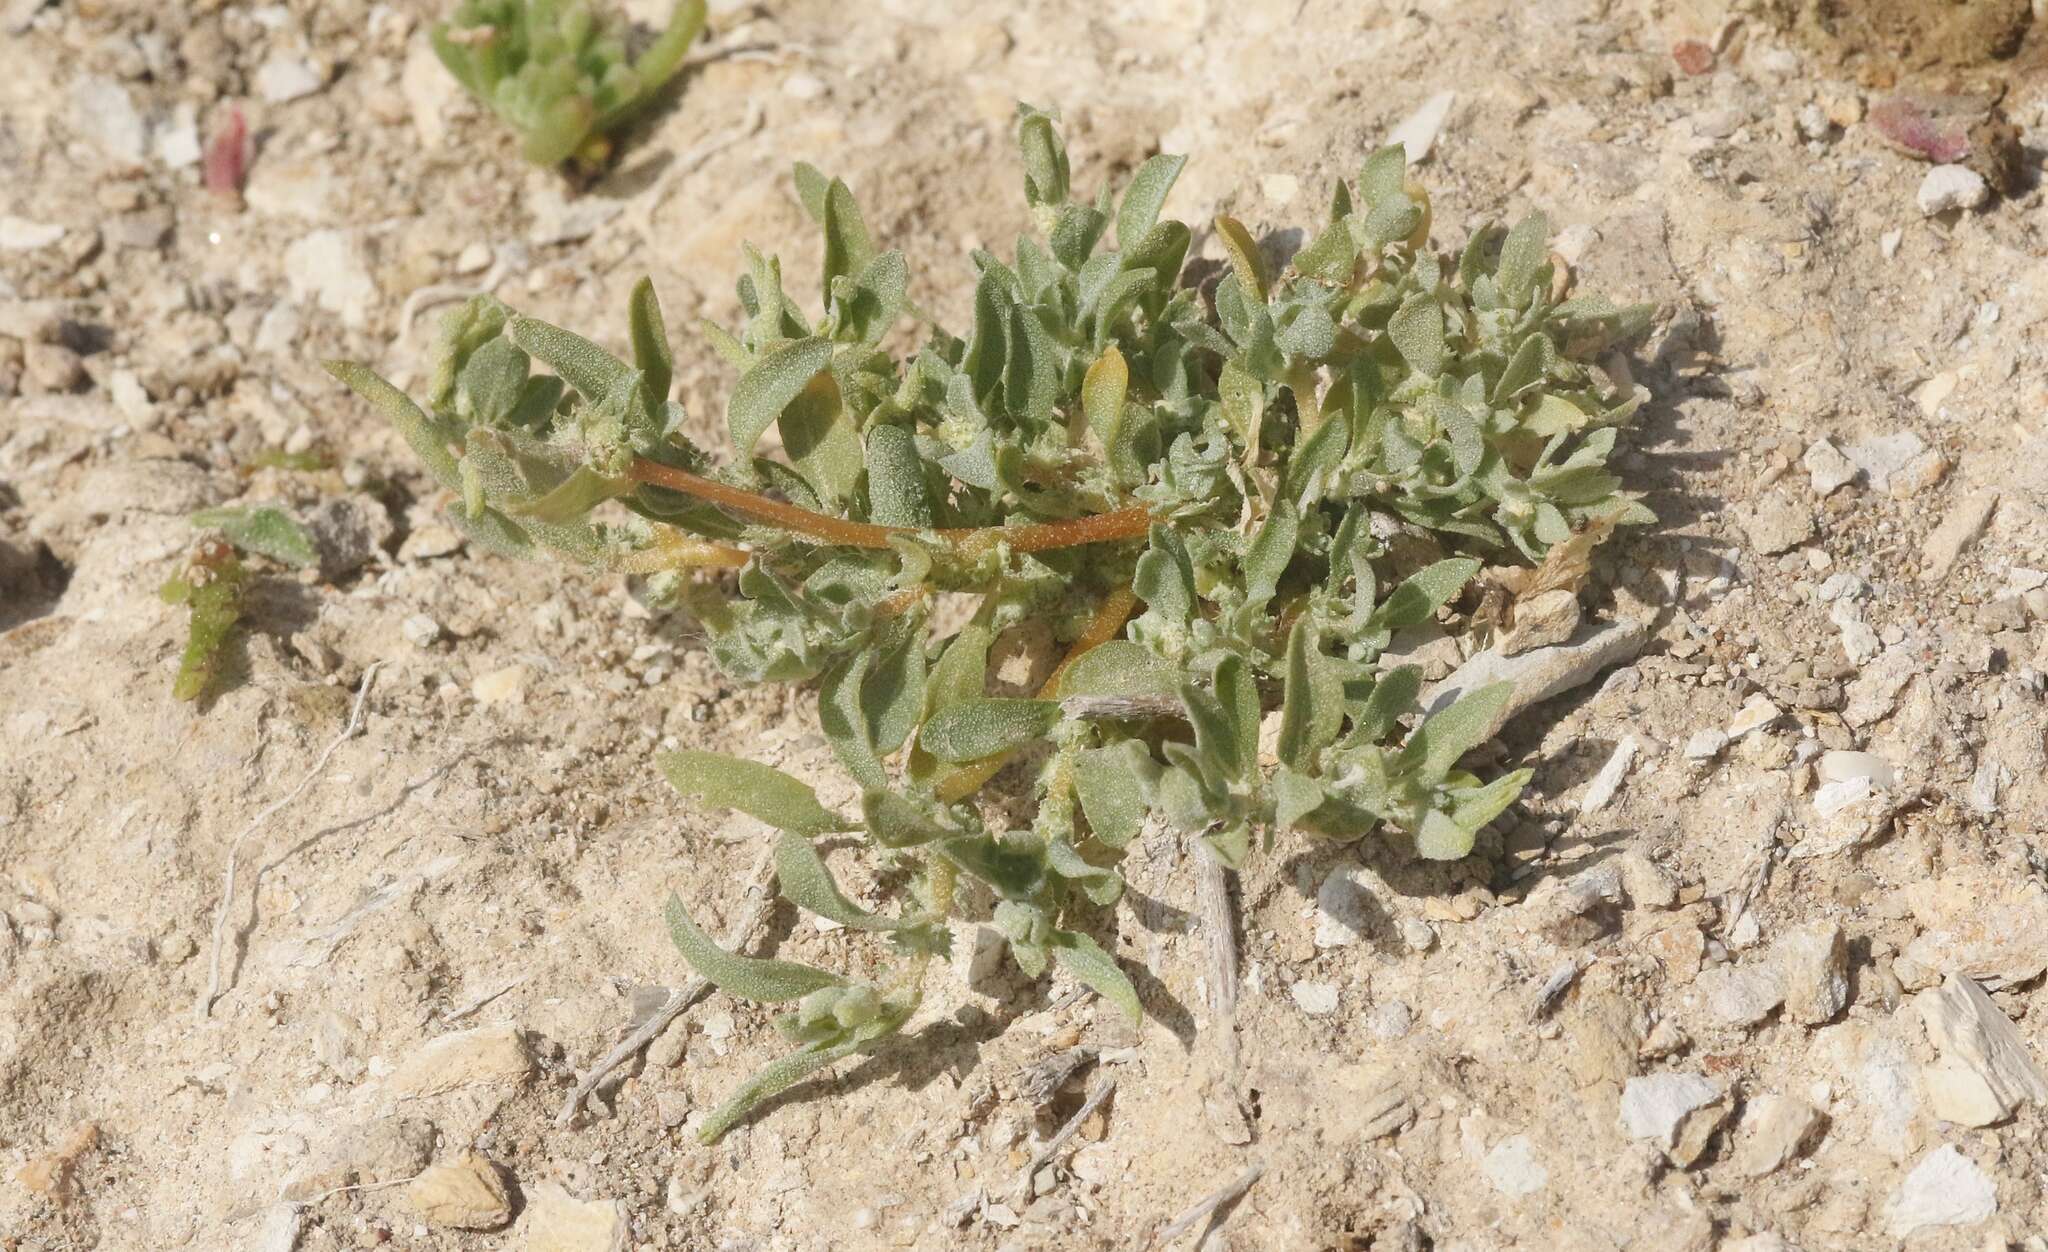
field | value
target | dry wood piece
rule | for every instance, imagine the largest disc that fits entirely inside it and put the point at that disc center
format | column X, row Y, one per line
column 1209, row 1206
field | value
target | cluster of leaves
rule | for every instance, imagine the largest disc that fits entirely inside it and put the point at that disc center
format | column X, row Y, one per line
column 1283, row 469
column 558, row 73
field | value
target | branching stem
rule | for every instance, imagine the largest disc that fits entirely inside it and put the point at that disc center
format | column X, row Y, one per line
column 1131, row 523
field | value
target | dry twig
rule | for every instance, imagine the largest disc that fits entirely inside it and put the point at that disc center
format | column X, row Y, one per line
column 1226, row 1106
column 742, row 937
column 1207, row 1205
column 227, row 892
column 1096, row 1095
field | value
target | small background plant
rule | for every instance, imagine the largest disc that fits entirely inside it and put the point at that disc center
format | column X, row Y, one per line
column 1225, row 499
column 557, row 71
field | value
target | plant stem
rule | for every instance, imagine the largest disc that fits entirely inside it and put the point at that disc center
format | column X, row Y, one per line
column 1128, row 523
column 1107, row 623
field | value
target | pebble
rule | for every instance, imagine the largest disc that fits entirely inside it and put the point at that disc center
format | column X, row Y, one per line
column 372, row 1151
column 1758, row 713
column 348, row 532
column 1419, row 130
column 1986, row 1071
column 1601, row 791
column 1958, row 529
column 104, row 112
column 1945, row 1189
column 1859, row 642
column 51, row 368
column 466, row 1193
column 487, row 1056
column 1951, row 187
column 474, row 259
column 1886, row 455
column 1345, row 909
column 1390, row 1020
column 802, row 86
column 1677, row 1112
column 18, row 234
column 1888, row 243
column 501, row 686
column 1842, row 766
column 1740, row 996
column 420, row 630
column 1777, row 523
column 1540, row 674
column 326, row 267
column 556, row 220
column 282, row 78
column 1997, row 942
column 1705, row 745
column 1775, row 1130
column 1828, row 467
column 556, row 1221
column 1317, row 999
column 1513, row 1169
column 1813, row 965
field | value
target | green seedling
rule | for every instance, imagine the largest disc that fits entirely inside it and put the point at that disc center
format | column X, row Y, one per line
column 558, row 73
column 1226, row 499
column 210, row 587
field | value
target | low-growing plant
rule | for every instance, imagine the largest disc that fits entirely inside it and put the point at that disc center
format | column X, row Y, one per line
column 214, row 581
column 558, row 72
column 1226, row 496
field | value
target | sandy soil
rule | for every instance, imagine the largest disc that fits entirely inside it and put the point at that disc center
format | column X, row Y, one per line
column 487, row 858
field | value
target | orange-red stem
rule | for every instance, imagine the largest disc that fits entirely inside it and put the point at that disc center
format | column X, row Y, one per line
column 1033, row 537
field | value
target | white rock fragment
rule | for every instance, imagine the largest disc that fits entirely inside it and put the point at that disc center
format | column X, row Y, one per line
column 1986, row 1071
column 1842, row 766
column 1740, row 996
column 1950, row 187
column 1419, row 130
column 18, row 234
column 1540, row 674
column 1886, row 455
column 283, row 78
column 1344, row 909
column 555, row 1221
column 501, row 686
column 326, row 267
column 1945, row 1189
column 1960, row 528
column 1812, row 965
column 420, row 630
column 802, row 86
column 1317, row 999
column 130, row 398
column 1828, row 467
column 1513, row 1169
column 103, row 112
column 1758, row 713
column 474, row 259
column 1775, row 1129
column 1875, row 692
column 556, row 220
column 428, row 89
column 1705, row 745
column 177, row 139
column 1601, row 791
column 466, row 1193
column 489, row 1056
column 1677, row 1112
column 1859, row 642
column 1888, row 243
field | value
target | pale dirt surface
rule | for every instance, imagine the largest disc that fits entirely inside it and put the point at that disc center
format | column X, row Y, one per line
column 1405, row 1090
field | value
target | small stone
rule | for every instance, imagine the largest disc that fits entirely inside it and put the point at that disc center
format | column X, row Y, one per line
column 51, row 368
column 501, row 686
column 466, row 1193
column 326, row 267
column 1694, row 56
column 1813, row 123
column 802, row 86
column 130, row 398
column 104, row 112
column 1842, row 766
column 1859, row 642
column 1758, row 713
column 1419, row 130
column 1578, row 909
column 1828, row 467
column 1875, row 692
column 1608, row 781
column 1945, row 1189
column 1951, row 187
column 1985, row 1072
column 348, row 532
column 374, row 1151
column 1740, row 996
column 1317, row 999
column 1677, row 1112
column 420, row 630
column 1540, row 674
column 1884, row 456
column 474, row 259
column 1647, row 884
column 1679, row 947
column 1344, row 909
column 1705, row 745
column 1775, row 1129
column 281, row 79
column 1390, row 1020
column 556, row 1221
column 1962, row 525
column 1513, row 1169
column 492, row 1056
column 1993, row 937
column 1813, row 965
column 558, row 221
column 1777, row 523
column 18, row 234
column 1888, row 243
column 1718, row 123
column 431, row 540
column 1417, row 934
column 1279, row 189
